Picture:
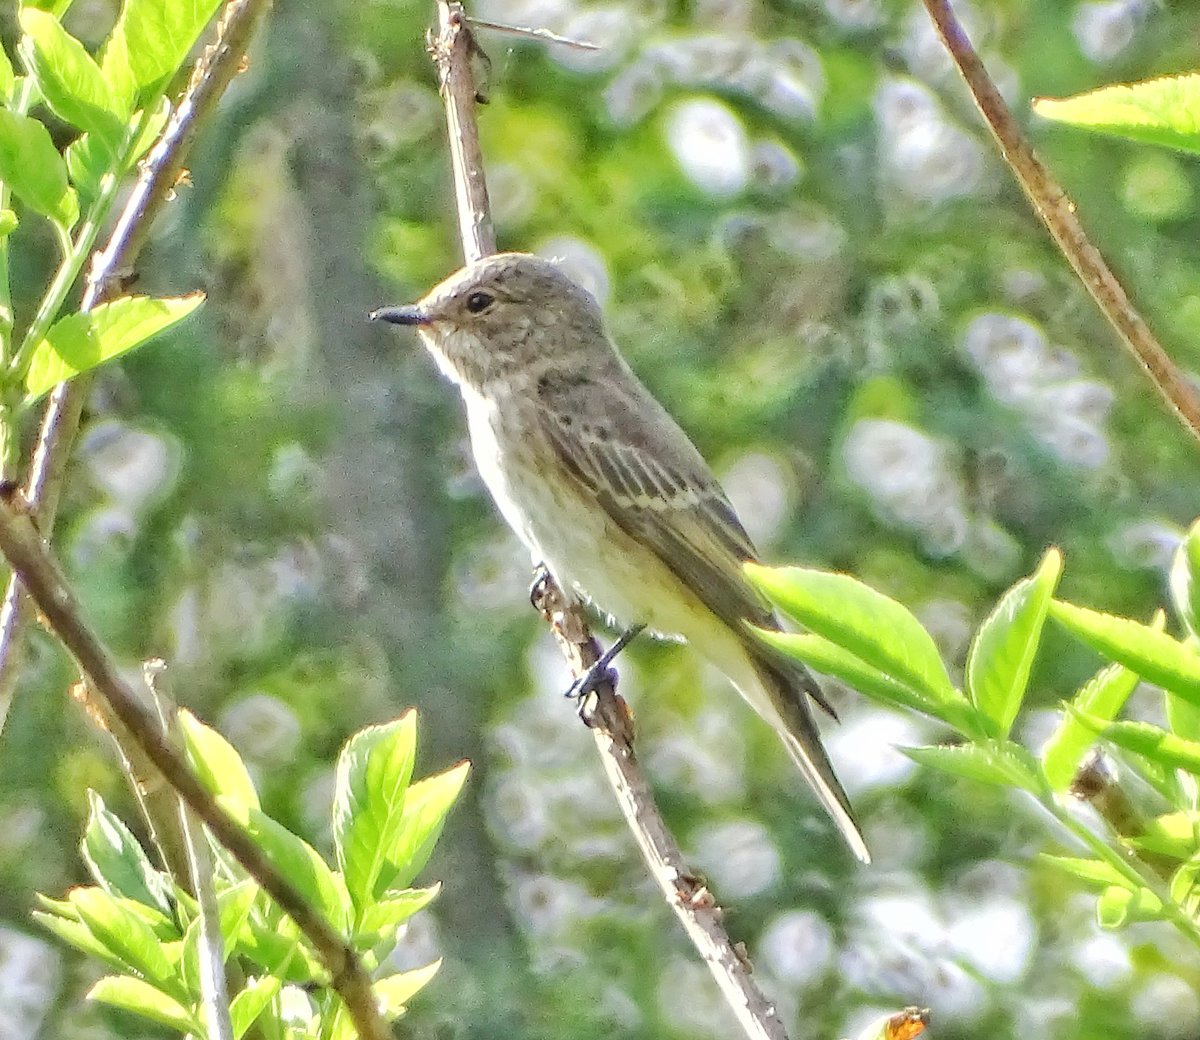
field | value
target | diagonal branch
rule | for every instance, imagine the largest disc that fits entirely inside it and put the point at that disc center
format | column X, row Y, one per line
column 50, row 593
column 160, row 172
column 608, row 715
column 1058, row 214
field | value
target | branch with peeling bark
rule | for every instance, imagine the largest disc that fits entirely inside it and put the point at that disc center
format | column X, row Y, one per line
column 159, row 173
column 1057, row 211
column 605, row 712
column 56, row 603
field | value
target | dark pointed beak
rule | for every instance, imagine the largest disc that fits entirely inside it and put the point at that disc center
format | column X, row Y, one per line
column 401, row 315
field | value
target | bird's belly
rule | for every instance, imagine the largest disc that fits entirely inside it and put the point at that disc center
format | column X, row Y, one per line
column 567, row 529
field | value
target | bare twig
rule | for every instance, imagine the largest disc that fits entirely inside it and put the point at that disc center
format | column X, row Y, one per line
column 607, row 716
column 541, row 35
column 160, row 172
column 1058, row 214
column 48, row 589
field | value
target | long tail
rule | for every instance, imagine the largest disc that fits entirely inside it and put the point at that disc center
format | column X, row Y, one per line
column 789, row 686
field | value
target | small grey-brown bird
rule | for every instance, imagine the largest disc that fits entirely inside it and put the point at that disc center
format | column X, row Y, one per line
column 605, row 489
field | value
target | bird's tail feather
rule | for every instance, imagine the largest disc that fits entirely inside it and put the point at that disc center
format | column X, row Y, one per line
column 788, row 688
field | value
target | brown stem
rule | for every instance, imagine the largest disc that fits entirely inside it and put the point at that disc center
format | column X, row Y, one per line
column 607, row 714
column 160, row 172
column 50, row 593
column 1058, row 214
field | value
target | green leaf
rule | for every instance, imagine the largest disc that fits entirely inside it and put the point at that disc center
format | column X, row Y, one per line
column 235, row 904
column 89, row 160
column 869, row 624
column 1102, row 697
column 75, row 933
column 1162, row 111
column 117, row 862
column 1092, row 871
column 151, row 40
column 373, row 772
column 830, row 659
column 1005, row 764
column 426, row 806
column 32, row 167
column 8, row 223
column 380, row 920
column 1006, row 644
column 396, row 990
column 1152, row 654
column 1148, row 741
column 123, row 932
column 215, row 761
column 1118, row 906
column 295, row 858
column 1184, row 583
column 251, row 1001
column 1175, row 834
column 70, row 82
column 82, row 341
column 138, row 996
column 8, row 81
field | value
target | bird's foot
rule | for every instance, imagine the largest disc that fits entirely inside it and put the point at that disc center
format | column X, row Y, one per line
column 537, row 587
column 600, row 672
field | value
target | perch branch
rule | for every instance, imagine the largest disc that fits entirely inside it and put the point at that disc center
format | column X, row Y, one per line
column 1058, row 214
column 607, row 714
column 50, row 593
column 160, row 172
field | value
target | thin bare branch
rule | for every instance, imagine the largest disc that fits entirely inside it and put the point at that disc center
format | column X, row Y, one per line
column 160, row 172
column 607, row 716
column 1058, row 214
column 50, row 593
column 542, row 35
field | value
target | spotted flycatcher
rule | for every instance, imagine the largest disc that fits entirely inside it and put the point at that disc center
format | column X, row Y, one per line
column 604, row 487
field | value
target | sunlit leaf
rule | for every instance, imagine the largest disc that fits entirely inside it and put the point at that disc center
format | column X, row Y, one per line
column 116, row 860
column 251, row 1001
column 122, row 932
column 1006, row 764
column 7, row 79
column 426, row 806
column 138, row 996
column 32, row 167
column 396, row 990
column 1162, row 111
column 1102, row 697
column 1149, row 741
column 1094, row 872
column 1152, row 654
column 81, row 341
column 1119, row 906
column 75, row 933
column 69, row 80
column 1175, row 834
column 216, row 762
column 373, row 772
column 1185, row 579
column 1006, row 644
column 152, row 39
column 381, row 919
column 869, row 624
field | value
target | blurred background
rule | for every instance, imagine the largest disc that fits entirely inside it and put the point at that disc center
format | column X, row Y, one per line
column 806, row 245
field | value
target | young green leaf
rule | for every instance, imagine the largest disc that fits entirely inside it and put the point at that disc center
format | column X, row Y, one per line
column 1092, row 871
column 123, row 932
column 215, row 761
column 1185, row 580
column 380, row 920
column 75, row 933
column 1149, row 741
column 118, row 862
column 869, row 624
column 1102, row 697
column 1175, row 834
column 251, row 1001
column 298, row 860
column 1157, row 111
column 138, row 996
column 1002, row 653
column 151, row 40
column 373, row 773
column 89, row 159
column 8, row 222
column 396, row 990
column 235, row 904
column 1005, row 764
column 1118, row 906
column 82, row 341
column 8, row 81
column 1152, row 654
column 32, row 167
column 69, row 80
column 426, row 806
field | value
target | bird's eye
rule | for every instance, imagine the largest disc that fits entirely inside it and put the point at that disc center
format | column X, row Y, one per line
column 478, row 302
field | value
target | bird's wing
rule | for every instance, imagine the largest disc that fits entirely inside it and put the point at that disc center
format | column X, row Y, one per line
column 650, row 479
